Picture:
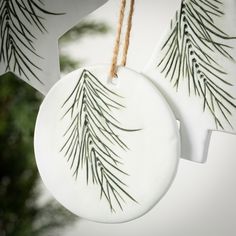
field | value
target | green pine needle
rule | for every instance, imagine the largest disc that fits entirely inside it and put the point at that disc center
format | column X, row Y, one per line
column 16, row 39
column 186, row 58
column 91, row 136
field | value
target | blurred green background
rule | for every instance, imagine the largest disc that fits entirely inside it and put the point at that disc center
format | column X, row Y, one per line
column 21, row 212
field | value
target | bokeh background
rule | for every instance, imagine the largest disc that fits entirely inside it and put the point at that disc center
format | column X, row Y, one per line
column 202, row 199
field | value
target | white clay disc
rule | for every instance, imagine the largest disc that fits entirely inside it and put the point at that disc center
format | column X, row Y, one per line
column 107, row 151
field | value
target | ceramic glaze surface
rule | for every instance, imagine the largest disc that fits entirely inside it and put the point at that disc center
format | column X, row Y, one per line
column 107, row 150
column 30, row 33
column 195, row 70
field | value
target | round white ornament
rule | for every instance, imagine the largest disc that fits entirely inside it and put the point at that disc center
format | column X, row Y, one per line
column 107, row 150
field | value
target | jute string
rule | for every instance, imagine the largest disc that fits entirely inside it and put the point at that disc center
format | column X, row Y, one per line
column 113, row 70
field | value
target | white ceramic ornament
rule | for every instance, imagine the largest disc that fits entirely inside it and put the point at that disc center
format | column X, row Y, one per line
column 107, row 150
column 29, row 37
column 195, row 72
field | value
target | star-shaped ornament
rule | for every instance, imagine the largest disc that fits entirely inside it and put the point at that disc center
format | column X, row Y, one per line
column 195, row 70
column 30, row 30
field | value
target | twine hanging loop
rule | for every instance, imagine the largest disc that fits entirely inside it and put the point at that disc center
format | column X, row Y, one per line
column 113, row 70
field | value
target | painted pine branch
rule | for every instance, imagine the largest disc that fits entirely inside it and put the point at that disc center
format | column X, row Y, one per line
column 16, row 39
column 90, row 138
column 189, row 55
